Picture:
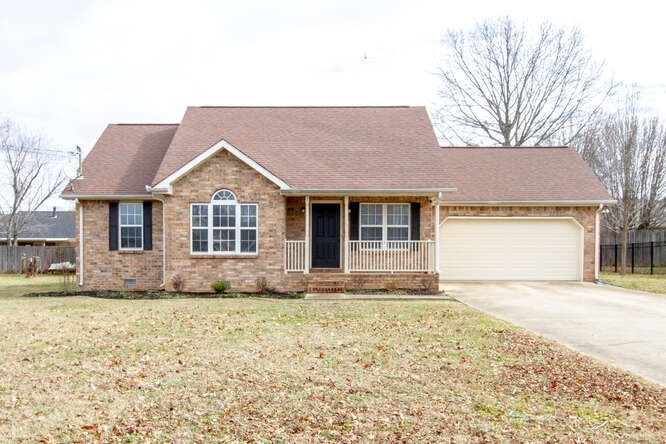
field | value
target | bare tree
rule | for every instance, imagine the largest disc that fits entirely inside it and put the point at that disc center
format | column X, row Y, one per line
column 628, row 153
column 504, row 84
column 27, row 178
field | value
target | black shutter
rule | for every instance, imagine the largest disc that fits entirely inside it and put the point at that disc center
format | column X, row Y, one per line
column 113, row 226
column 415, row 209
column 353, row 220
column 147, row 225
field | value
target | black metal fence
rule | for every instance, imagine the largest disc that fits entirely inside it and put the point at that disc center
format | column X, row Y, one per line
column 642, row 257
column 13, row 259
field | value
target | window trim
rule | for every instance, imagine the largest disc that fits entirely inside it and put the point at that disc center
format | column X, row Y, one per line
column 237, row 229
column 121, row 225
column 383, row 242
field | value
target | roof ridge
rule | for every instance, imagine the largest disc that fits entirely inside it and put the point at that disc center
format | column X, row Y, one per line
column 507, row 147
column 305, row 106
column 144, row 124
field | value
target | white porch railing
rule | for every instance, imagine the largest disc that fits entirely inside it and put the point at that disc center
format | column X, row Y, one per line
column 294, row 255
column 390, row 256
column 369, row 256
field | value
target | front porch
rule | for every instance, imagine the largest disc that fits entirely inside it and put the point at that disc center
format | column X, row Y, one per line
column 367, row 256
column 362, row 241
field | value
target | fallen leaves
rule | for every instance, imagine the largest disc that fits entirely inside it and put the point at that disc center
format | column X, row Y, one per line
column 242, row 370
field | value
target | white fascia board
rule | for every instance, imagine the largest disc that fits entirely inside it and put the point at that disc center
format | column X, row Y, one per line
column 106, row 196
column 164, row 186
column 368, row 192
column 530, row 203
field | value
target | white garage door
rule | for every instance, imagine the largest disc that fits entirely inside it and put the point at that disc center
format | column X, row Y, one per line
column 510, row 249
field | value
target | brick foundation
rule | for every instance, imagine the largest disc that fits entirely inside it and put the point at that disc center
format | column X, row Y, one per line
column 366, row 281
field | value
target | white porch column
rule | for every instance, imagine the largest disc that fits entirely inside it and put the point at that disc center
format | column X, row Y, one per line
column 437, row 236
column 345, row 234
column 307, row 235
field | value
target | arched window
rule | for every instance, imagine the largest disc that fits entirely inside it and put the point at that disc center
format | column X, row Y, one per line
column 223, row 195
column 224, row 226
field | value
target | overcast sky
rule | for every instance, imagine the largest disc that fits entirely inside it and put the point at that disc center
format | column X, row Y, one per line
column 68, row 68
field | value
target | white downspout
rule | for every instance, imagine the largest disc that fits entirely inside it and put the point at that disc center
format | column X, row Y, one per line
column 437, row 236
column 163, row 284
column 80, row 205
column 307, row 235
column 597, row 242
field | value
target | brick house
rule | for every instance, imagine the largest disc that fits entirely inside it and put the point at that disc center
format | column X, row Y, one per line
column 323, row 197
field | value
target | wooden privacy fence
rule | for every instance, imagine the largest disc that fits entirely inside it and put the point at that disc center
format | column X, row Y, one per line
column 11, row 258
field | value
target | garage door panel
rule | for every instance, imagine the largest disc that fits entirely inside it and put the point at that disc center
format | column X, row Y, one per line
column 510, row 249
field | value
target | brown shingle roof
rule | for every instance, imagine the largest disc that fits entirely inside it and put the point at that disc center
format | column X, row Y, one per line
column 124, row 160
column 518, row 175
column 337, row 148
column 316, row 147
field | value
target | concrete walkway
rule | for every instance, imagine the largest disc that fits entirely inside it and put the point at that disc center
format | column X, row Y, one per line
column 622, row 327
column 373, row 297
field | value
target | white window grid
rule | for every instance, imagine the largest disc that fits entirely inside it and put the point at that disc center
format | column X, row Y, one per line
column 245, row 221
column 385, row 243
column 125, row 206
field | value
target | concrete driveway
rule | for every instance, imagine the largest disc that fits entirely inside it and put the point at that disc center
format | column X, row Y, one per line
column 622, row 327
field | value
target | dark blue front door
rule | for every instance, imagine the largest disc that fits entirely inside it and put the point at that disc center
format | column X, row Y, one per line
column 325, row 235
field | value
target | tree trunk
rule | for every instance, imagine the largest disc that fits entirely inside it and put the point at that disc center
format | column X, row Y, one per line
column 623, row 250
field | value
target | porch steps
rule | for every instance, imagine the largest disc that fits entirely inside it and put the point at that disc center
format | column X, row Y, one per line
column 326, row 286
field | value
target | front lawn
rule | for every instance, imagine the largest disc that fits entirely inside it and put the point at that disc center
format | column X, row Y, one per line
column 261, row 370
column 655, row 283
column 13, row 285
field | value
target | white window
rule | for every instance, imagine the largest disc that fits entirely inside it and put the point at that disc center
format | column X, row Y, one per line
column 224, row 226
column 388, row 224
column 131, row 226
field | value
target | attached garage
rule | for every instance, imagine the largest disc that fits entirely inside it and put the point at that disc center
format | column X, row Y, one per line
column 511, row 248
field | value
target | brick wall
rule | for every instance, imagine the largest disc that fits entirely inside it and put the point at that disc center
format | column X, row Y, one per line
column 368, row 281
column 224, row 171
column 295, row 218
column 105, row 269
column 584, row 215
column 427, row 211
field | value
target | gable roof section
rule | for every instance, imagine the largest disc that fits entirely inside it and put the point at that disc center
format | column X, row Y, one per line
column 123, row 161
column 43, row 226
column 352, row 150
column 164, row 186
column 519, row 175
column 316, row 147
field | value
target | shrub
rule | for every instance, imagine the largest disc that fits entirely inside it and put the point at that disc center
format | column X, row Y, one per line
column 393, row 284
column 178, row 283
column 220, row 286
column 427, row 285
column 262, row 286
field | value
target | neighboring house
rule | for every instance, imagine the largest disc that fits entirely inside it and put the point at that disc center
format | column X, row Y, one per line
column 326, row 197
column 45, row 228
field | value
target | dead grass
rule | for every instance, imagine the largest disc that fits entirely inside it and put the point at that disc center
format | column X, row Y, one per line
column 655, row 283
column 199, row 370
column 13, row 285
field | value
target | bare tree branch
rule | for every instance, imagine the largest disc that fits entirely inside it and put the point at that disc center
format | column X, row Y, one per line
column 628, row 153
column 29, row 179
column 504, row 85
